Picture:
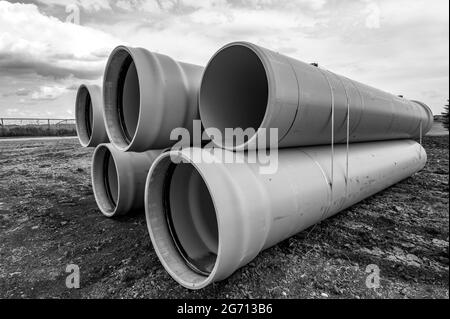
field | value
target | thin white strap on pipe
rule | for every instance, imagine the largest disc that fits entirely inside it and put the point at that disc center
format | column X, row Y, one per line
column 331, row 180
column 347, row 119
column 347, row 139
column 420, row 138
column 421, row 132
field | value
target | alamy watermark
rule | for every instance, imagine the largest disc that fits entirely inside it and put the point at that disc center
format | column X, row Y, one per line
column 373, row 279
column 73, row 12
column 263, row 150
column 73, row 279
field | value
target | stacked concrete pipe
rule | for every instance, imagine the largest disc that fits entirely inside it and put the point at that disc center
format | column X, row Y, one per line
column 118, row 179
column 208, row 218
column 89, row 121
column 247, row 86
column 146, row 96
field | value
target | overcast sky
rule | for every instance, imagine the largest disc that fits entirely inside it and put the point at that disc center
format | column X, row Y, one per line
column 401, row 46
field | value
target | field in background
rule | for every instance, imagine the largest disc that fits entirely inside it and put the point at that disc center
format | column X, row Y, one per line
column 18, row 127
column 49, row 219
column 438, row 128
column 26, row 127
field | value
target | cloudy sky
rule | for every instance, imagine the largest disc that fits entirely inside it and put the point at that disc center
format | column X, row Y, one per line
column 401, row 46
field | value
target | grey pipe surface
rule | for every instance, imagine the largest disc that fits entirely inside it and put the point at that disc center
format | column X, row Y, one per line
column 146, row 96
column 247, row 86
column 89, row 121
column 118, row 179
column 207, row 218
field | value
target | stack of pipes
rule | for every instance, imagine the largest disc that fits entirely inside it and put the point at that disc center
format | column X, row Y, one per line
column 336, row 143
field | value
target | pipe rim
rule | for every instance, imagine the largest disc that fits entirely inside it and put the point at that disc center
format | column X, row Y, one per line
column 162, row 240
column 84, row 114
column 100, row 183
column 429, row 114
column 270, row 93
column 117, row 66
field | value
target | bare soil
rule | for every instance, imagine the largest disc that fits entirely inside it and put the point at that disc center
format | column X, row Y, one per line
column 49, row 219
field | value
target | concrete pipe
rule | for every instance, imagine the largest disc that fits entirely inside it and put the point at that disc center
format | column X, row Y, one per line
column 90, row 126
column 118, row 179
column 208, row 220
column 247, row 86
column 146, row 96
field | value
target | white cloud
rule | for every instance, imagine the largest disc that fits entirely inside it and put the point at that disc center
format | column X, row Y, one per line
column 12, row 111
column 125, row 5
column 31, row 42
column 373, row 12
column 22, row 92
column 88, row 5
column 48, row 92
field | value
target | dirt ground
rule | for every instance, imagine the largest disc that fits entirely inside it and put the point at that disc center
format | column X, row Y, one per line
column 49, row 219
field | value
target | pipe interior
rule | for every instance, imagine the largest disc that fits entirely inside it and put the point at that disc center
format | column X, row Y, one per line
column 182, row 219
column 84, row 115
column 110, row 178
column 89, row 115
column 122, row 97
column 105, row 180
column 234, row 90
column 128, row 106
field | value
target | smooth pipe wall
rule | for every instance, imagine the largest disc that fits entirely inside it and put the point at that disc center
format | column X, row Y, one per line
column 118, row 179
column 89, row 121
column 207, row 220
column 146, row 96
column 247, row 86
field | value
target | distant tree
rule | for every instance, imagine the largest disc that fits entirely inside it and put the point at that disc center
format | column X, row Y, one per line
column 445, row 116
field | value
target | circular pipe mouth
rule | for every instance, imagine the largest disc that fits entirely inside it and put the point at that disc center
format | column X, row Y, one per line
column 122, row 97
column 426, row 127
column 234, row 92
column 84, row 114
column 105, row 180
column 182, row 221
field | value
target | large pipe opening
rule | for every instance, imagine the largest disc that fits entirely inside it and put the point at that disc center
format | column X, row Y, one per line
column 84, row 114
column 105, row 180
column 234, row 90
column 110, row 180
column 122, row 97
column 89, row 115
column 182, row 221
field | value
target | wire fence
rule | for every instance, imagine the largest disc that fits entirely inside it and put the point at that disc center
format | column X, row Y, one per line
column 6, row 121
column 18, row 126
